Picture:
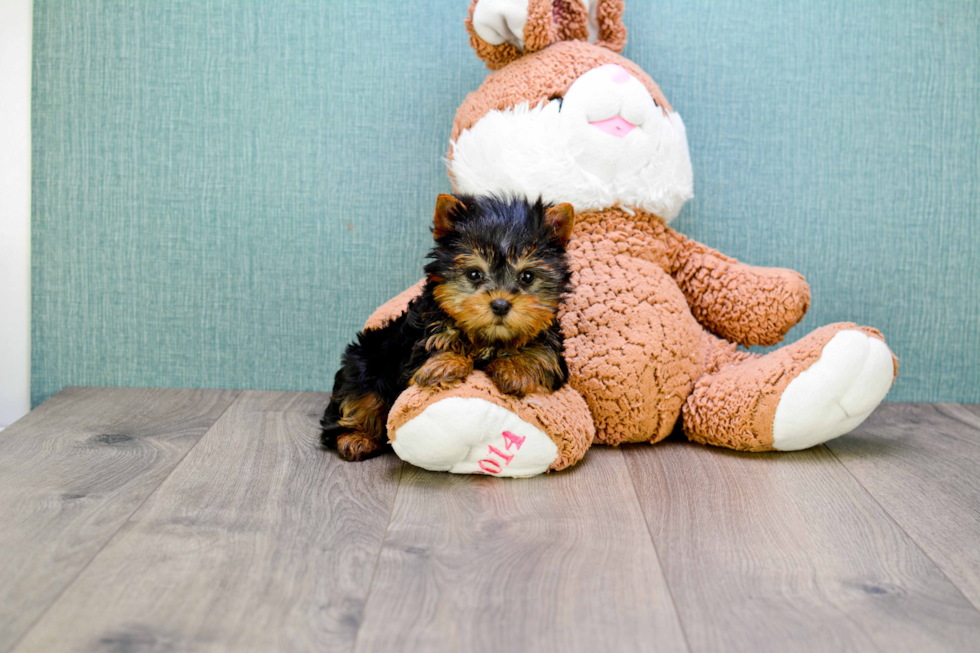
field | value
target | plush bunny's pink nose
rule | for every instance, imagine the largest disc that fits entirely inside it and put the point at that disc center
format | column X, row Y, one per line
column 616, row 72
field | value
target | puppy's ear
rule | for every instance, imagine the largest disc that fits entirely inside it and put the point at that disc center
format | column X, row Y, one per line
column 446, row 206
column 561, row 219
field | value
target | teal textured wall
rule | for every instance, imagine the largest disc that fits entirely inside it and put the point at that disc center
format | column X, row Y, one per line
column 225, row 189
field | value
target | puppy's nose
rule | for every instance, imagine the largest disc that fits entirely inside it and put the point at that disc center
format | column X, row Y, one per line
column 500, row 306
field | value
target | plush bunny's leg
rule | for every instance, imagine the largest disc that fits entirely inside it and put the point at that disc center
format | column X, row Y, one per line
column 814, row 390
column 473, row 428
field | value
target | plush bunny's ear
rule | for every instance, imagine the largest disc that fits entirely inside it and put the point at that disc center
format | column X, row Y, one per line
column 504, row 30
column 608, row 23
column 573, row 19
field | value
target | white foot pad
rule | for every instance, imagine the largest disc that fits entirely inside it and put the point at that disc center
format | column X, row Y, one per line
column 465, row 435
column 836, row 394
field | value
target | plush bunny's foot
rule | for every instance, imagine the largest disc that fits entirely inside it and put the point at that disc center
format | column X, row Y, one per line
column 474, row 429
column 811, row 391
column 835, row 394
column 466, row 435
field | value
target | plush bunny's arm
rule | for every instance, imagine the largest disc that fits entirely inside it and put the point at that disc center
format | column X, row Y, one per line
column 741, row 303
column 394, row 307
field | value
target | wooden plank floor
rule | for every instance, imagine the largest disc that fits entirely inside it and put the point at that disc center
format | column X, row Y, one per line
column 72, row 472
column 195, row 520
column 922, row 464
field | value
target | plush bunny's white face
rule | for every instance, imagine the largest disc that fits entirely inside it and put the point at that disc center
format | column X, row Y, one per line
column 605, row 143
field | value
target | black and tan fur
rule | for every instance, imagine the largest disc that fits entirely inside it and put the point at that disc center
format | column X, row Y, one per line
column 493, row 288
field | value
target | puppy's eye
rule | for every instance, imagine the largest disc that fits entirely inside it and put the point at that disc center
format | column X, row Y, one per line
column 527, row 278
column 474, row 276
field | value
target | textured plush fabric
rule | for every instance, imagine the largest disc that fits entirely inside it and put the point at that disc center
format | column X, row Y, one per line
column 643, row 297
column 394, row 307
column 636, row 347
column 745, row 304
column 535, row 147
column 519, row 83
column 562, row 415
column 734, row 406
column 549, row 21
column 224, row 190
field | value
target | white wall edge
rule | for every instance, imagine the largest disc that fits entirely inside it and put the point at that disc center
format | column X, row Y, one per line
column 15, row 209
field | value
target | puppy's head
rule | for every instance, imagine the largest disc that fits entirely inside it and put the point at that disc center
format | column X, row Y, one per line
column 499, row 265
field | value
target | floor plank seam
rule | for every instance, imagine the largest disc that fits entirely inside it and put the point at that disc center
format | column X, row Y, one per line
column 27, row 631
column 902, row 528
column 958, row 419
column 656, row 553
column 377, row 560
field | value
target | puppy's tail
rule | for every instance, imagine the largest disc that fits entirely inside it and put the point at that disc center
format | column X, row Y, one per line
column 331, row 428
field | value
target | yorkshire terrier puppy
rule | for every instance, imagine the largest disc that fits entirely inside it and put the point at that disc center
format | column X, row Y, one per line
column 493, row 288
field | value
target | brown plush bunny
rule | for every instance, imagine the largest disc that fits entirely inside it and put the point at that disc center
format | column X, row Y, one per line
column 652, row 324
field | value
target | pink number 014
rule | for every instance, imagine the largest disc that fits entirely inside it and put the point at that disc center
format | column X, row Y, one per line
column 491, row 466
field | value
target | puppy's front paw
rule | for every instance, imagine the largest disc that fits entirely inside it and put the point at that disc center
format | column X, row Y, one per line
column 355, row 446
column 444, row 370
column 513, row 377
